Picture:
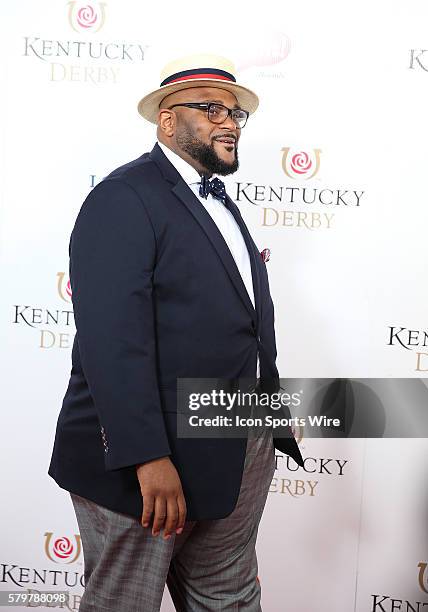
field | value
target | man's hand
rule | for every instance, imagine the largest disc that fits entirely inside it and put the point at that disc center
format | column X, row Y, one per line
column 162, row 495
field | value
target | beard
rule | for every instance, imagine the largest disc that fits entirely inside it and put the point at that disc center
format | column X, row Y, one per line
column 205, row 154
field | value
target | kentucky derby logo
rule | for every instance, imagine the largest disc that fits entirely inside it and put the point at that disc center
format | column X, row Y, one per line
column 86, row 17
column 300, row 164
column 64, row 287
column 62, row 550
column 271, row 47
column 423, row 579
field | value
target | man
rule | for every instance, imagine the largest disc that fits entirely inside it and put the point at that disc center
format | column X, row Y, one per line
column 167, row 284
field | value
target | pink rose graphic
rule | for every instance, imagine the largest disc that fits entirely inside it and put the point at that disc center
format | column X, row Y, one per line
column 68, row 288
column 301, row 163
column 62, row 548
column 86, row 17
column 267, row 47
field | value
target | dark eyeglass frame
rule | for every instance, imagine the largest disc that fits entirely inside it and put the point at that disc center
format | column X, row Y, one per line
column 206, row 106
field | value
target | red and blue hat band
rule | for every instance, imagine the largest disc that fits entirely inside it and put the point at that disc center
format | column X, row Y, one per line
column 199, row 73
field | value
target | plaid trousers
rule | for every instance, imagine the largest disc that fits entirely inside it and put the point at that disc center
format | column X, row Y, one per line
column 211, row 566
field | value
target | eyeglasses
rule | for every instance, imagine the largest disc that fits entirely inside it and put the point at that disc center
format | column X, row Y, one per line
column 217, row 113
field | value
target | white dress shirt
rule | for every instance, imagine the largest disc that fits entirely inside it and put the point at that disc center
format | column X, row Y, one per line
column 222, row 217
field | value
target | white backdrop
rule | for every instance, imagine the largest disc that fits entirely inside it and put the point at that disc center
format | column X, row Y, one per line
column 343, row 90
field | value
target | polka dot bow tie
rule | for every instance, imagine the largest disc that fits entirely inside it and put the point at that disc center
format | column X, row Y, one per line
column 215, row 187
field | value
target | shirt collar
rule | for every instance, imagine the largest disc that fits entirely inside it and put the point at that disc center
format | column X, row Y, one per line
column 187, row 172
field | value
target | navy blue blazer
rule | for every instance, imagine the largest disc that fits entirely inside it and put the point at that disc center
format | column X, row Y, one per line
column 157, row 296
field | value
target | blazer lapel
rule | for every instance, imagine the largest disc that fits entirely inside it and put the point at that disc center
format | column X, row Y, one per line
column 253, row 253
column 186, row 195
column 183, row 192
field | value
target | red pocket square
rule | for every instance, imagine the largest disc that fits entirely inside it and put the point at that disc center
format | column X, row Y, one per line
column 265, row 254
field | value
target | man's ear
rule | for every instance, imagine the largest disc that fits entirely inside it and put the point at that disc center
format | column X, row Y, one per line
column 167, row 121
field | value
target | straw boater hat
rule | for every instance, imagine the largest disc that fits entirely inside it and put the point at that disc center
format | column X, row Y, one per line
column 197, row 71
